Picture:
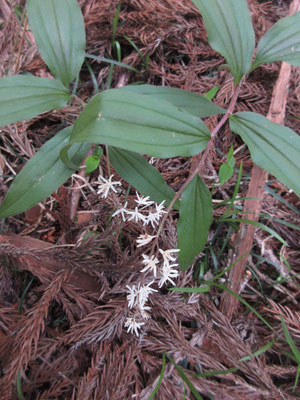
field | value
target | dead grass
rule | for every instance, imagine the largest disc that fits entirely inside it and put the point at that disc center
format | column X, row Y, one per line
column 66, row 337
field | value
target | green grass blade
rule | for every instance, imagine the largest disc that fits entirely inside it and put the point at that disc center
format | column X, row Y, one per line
column 259, row 351
column 293, row 347
column 113, row 62
column 115, row 21
column 94, row 80
column 159, row 380
column 202, row 289
column 258, row 225
column 223, row 287
column 185, row 379
column 282, row 200
column 289, row 340
column 136, row 48
column 235, row 369
column 19, row 387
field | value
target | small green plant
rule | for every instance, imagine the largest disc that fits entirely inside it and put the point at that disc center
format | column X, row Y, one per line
column 156, row 121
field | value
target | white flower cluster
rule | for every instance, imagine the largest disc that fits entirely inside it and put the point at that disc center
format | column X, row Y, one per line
column 164, row 271
column 146, row 211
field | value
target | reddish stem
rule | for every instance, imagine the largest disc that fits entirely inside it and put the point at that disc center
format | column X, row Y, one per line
column 204, row 156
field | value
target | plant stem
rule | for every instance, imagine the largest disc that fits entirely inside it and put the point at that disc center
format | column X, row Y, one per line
column 82, row 102
column 205, row 154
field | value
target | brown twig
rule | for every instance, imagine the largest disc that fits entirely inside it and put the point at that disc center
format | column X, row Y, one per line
column 252, row 206
column 75, row 194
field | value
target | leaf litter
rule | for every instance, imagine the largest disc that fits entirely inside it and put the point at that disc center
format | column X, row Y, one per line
column 63, row 280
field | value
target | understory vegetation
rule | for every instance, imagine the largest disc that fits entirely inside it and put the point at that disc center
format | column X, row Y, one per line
column 104, row 293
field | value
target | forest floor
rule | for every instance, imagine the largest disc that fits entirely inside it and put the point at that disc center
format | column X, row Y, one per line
column 65, row 264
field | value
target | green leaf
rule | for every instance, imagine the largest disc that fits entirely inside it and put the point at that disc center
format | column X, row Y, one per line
column 141, row 124
column 25, row 96
column 42, row 175
column 229, row 32
column 257, row 224
column 185, row 379
column 293, row 347
column 273, row 147
column 289, row 340
column 58, row 28
column 161, row 376
column 91, row 163
column 113, row 62
column 201, row 289
column 137, row 171
column 223, row 287
column 211, row 93
column 193, row 103
column 226, row 170
column 19, row 387
column 196, row 215
column 280, row 43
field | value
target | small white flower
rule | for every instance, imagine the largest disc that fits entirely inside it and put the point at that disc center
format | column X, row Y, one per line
column 143, row 201
column 105, row 185
column 167, row 273
column 142, row 240
column 143, row 311
column 121, row 211
column 153, row 218
column 136, row 215
column 160, row 208
column 132, row 297
column 167, row 255
column 150, row 264
column 144, row 292
column 133, row 325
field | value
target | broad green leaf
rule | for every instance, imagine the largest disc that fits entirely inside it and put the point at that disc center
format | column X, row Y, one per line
column 280, row 43
column 196, row 215
column 58, row 28
column 137, row 171
column 226, row 170
column 190, row 102
column 229, row 32
column 42, row 175
column 273, row 147
column 141, row 124
column 91, row 163
column 25, row 96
